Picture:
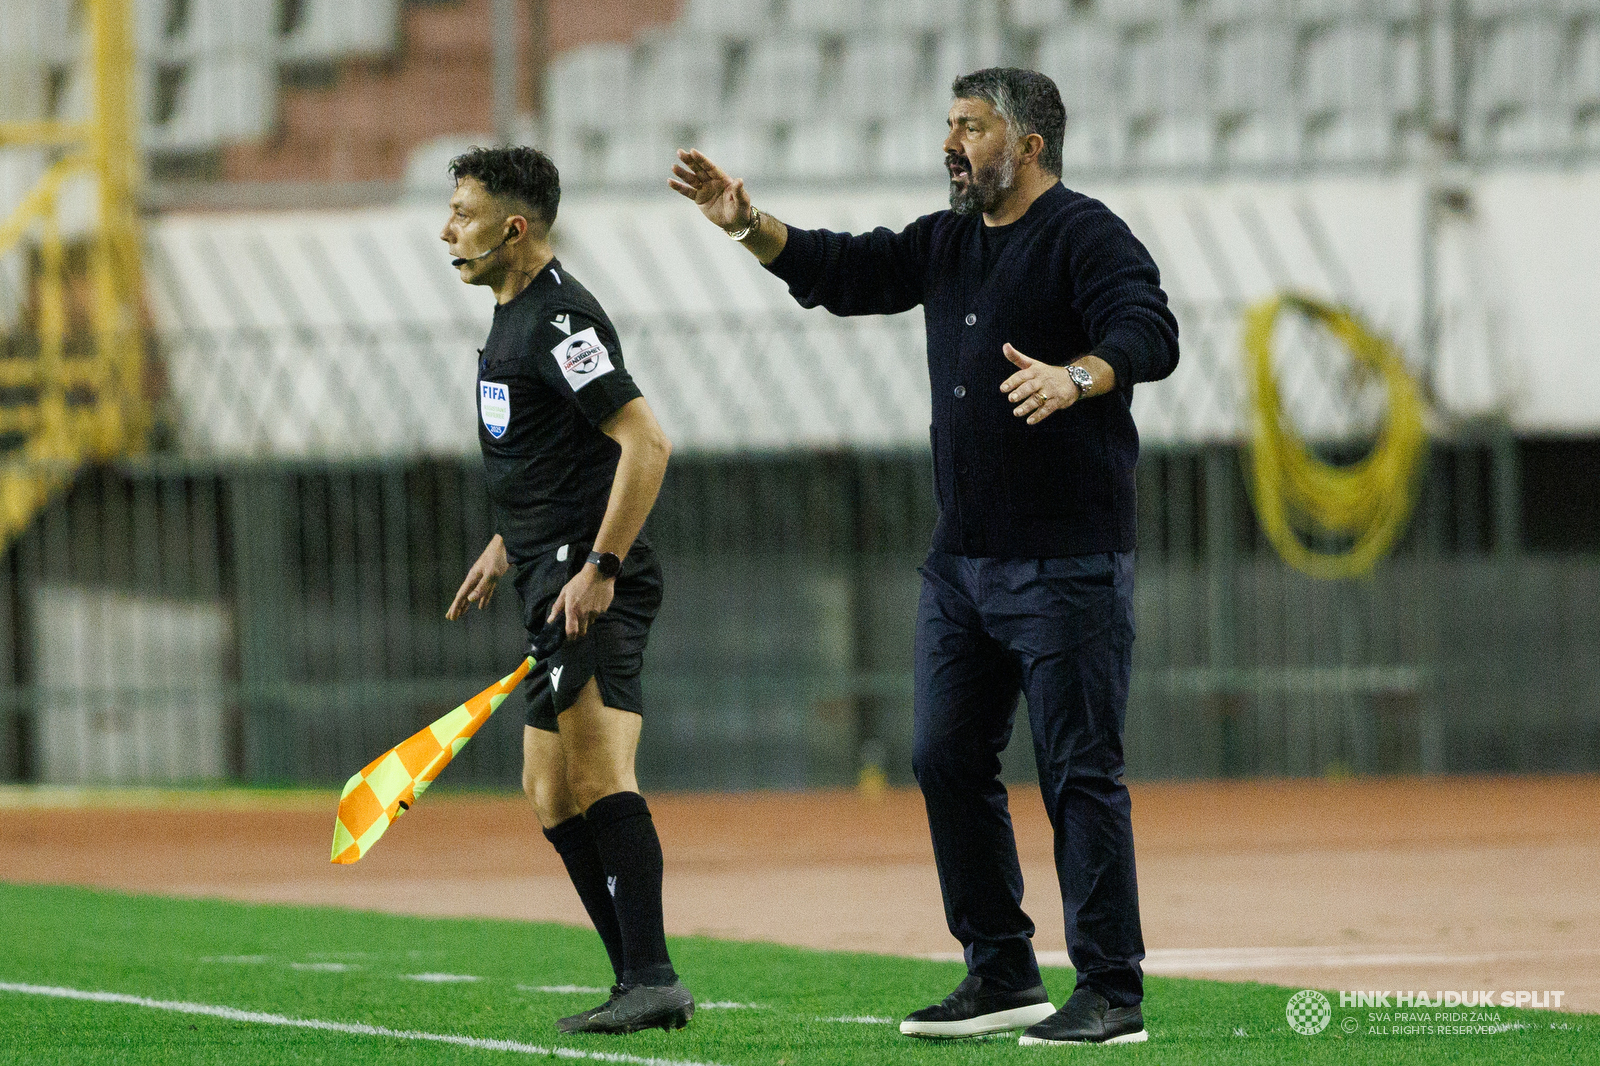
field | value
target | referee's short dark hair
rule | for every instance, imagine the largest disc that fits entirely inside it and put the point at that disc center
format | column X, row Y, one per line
column 1028, row 101
column 519, row 173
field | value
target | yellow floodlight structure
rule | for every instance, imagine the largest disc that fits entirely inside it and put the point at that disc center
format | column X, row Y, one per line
column 92, row 406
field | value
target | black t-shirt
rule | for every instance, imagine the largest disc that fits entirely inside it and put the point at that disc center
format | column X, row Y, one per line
column 549, row 374
column 993, row 241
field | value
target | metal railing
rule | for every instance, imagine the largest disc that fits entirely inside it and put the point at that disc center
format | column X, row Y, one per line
column 284, row 622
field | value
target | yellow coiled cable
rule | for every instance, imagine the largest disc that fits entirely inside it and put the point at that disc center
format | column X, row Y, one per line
column 1296, row 493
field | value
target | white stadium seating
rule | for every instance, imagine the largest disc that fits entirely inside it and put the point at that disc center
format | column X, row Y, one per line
column 335, row 29
column 219, row 99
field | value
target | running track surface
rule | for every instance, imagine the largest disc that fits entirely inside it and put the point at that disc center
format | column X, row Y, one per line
column 1436, row 883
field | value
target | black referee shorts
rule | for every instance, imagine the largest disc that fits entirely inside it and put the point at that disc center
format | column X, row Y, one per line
column 612, row 652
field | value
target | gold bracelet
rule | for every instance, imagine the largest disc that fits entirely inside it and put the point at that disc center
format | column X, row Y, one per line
column 749, row 227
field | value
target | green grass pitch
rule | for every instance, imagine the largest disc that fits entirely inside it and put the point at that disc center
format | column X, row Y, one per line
column 229, row 977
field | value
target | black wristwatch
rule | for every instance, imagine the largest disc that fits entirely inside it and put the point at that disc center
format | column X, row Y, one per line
column 607, row 563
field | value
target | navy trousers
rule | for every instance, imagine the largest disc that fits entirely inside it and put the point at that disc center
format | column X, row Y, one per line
column 1061, row 632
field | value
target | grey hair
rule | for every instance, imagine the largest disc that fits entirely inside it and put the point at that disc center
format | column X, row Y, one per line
column 1026, row 101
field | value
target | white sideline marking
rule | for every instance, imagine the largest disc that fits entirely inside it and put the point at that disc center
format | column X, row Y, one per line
column 233, row 1014
column 727, row 1004
column 860, row 1019
column 1180, row 961
column 323, row 967
column 442, row 978
column 563, row 989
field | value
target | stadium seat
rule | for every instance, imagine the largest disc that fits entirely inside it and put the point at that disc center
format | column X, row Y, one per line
column 678, row 79
column 1252, row 69
column 1126, row 13
column 825, row 149
column 336, row 29
column 1586, row 66
column 742, row 148
column 1082, row 59
column 960, row 53
column 1346, row 69
column 1330, row 11
column 1347, row 99
column 637, row 154
column 217, row 101
column 1094, row 142
column 1165, row 73
column 781, row 81
column 1517, row 64
column 1246, row 12
column 910, row 148
column 1164, row 99
column 37, row 31
column 1349, row 137
column 22, row 90
column 879, row 77
column 1171, row 142
column 578, row 152
column 1516, row 86
column 724, row 18
column 211, row 29
column 591, row 86
column 833, row 16
column 1260, row 139
column 1038, row 14
column 1495, row 9
column 913, row 16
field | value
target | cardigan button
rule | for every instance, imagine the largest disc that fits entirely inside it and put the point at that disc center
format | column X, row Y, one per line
column 960, row 391
column 972, row 319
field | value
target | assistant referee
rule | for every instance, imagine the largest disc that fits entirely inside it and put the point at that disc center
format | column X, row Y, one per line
column 1042, row 312
column 574, row 460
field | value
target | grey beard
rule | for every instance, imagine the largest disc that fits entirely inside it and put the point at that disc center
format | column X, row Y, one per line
column 985, row 189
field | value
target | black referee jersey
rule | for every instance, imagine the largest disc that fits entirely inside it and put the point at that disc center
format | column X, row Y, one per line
column 549, row 374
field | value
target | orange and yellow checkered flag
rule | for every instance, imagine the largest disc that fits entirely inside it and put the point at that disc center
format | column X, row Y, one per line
column 391, row 783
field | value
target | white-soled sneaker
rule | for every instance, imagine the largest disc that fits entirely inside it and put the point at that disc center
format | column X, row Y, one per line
column 972, row 1011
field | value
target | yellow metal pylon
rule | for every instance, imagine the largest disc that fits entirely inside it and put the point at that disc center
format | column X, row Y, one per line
column 105, row 414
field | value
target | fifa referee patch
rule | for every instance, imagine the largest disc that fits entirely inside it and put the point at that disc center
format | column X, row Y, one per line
column 582, row 358
column 494, row 405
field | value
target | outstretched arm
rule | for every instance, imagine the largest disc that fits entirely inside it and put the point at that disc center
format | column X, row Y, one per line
column 876, row 273
column 724, row 201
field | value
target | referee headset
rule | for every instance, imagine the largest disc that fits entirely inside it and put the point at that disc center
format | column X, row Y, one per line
column 511, row 231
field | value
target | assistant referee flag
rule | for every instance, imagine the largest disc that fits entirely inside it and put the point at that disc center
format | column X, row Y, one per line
column 388, row 785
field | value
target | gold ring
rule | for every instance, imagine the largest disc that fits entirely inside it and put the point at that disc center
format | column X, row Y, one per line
column 1044, row 396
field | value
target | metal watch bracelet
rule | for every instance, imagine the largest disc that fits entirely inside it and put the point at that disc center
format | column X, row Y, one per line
column 749, row 227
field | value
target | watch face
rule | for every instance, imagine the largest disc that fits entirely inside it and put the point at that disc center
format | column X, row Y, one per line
column 1081, row 378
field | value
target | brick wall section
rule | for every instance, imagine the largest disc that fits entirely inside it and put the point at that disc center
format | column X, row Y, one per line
column 360, row 120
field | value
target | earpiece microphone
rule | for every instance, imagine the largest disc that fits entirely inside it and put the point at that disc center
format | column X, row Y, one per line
column 512, row 232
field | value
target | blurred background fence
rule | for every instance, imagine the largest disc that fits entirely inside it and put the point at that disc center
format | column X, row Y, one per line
column 254, row 590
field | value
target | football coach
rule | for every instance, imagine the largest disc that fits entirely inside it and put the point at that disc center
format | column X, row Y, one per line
column 1042, row 312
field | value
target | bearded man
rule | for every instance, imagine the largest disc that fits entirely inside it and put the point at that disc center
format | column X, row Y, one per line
column 1042, row 312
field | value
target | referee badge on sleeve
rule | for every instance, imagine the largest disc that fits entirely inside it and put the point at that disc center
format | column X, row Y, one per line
column 582, row 358
column 494, row 406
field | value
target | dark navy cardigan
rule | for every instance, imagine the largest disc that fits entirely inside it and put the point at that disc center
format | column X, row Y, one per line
column 1071, row 280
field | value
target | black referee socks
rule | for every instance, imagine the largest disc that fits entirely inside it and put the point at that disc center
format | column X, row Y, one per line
column 626, row 838
column 574, row 842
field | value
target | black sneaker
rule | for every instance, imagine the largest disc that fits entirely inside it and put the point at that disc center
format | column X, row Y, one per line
column 633, row 1008
column 1086, row 1018
column 970, row 1011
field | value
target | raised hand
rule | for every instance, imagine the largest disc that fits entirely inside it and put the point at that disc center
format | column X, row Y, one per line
column 723, row 200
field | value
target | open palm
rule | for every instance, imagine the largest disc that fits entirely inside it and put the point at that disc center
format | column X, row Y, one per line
column 721, row 199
